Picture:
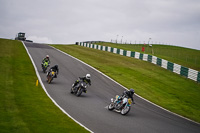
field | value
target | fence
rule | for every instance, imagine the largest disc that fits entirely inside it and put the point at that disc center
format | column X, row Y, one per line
column 181, row 70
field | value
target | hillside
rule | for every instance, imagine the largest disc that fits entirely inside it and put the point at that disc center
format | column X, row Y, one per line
column 183, row 56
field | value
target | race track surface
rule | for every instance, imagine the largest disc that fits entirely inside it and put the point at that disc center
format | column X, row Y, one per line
column 89, row 109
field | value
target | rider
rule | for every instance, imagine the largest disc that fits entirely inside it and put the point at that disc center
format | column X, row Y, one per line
column 85, row 79
column 129, row 94
column 46, row 59
column 55, row 69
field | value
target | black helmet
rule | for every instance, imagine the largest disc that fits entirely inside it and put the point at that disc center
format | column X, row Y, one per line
column 132, row 91
column 56, row 66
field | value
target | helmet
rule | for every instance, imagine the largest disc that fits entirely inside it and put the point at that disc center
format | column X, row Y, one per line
column 47, row 56
column 87, row 76
column 132, row 91
column 56, row 66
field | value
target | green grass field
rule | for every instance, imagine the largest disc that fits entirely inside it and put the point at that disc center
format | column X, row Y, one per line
column 24, row 107
column 183, row 56
column 161, row 86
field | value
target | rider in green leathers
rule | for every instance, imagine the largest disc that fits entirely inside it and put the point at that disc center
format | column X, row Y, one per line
column 46, row 59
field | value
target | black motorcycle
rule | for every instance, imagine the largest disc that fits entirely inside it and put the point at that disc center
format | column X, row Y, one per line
column 79, row 88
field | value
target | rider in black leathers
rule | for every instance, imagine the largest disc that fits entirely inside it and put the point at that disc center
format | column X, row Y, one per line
column 129, row 94
column 55, row 69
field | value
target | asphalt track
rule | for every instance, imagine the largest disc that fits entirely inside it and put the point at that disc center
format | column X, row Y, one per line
column 89, row 109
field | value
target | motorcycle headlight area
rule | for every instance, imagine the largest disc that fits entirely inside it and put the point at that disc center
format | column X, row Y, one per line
column 112, row 100
column 83, row 85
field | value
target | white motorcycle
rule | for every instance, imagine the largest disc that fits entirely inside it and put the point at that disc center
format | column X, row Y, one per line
column 120, row 104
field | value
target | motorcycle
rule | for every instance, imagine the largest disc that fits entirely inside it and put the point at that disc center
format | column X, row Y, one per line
column 44, row 66
column 79, row 88
column 120, row 104
column 51, row 76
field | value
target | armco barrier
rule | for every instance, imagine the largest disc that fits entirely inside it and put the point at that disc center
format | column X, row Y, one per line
column 170, row 66
column 184, row 71
column 154, row 60
column 159, row 62
column 198, row 77
column 149, row 58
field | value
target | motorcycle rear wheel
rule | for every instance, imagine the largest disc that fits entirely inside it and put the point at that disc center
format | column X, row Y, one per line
column 111, row 106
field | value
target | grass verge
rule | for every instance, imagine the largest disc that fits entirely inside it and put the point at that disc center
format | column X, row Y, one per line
column 24, row 107
column 183, row 56
column 167, row 89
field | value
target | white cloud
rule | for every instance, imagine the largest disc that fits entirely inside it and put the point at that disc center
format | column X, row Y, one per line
column 65, row 21
column 37, row 39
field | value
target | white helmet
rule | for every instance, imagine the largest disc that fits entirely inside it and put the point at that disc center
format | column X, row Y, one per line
column 47, row 56
column 87, row 76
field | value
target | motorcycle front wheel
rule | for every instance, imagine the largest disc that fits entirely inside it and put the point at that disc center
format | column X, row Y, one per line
column 125, row 110
column 44, row 70
column 49, row 79
column 71, row 90
column 79, row 92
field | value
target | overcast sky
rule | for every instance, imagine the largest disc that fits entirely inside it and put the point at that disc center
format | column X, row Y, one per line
column 172, row 22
